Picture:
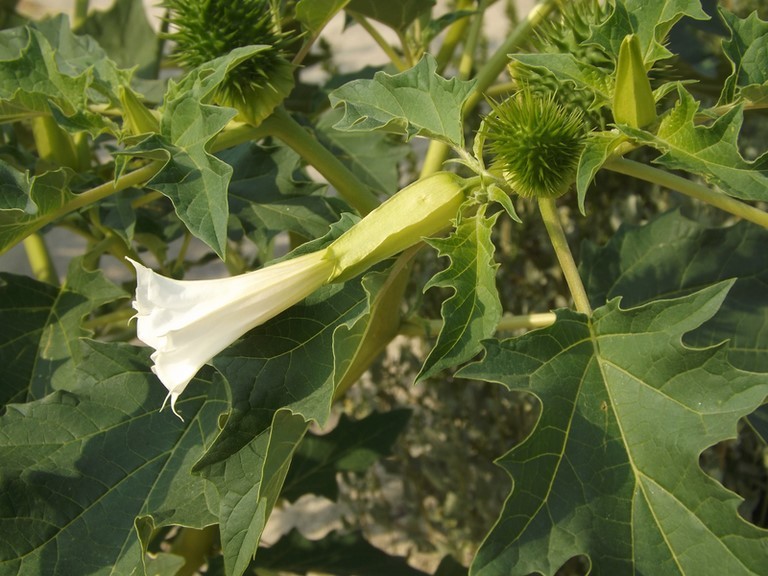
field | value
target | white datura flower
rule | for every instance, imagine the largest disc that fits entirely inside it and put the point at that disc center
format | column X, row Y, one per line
column 188, row 322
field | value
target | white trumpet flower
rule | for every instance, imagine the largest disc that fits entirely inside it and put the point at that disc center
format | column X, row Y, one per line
column 188, row 322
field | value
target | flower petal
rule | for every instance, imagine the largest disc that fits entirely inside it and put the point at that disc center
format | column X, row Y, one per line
column 188, row 322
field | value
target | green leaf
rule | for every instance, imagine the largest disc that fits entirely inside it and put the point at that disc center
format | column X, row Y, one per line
column 353, row 446
column 417, row 102
column 597, row 149
column 472, row 313
column 125, row 35
column 759, row 422
column 48, row 70
column 82, row 467
column 338, row 554
column 39, row 346
column 268, row 195
column 372, row 157
column 249, row 485
column 709, row 151
column 567, row 68
column 281, row 376
column 672, row 256
column 651, row 20
column 397, row 14
column 27, row 203
column 315, row 14
column 611, row 469
column 746, row 50
column 195, row 180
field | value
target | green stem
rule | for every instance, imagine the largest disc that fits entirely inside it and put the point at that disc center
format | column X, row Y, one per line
column 40, row 259
column 422, row 328
column 496, row 64
column 283, row 126
column 689, row 188
column 407, row 54
column 398, row 62
column 551, row 218
column 454, row 35
column 470, row 48
column 81, row 13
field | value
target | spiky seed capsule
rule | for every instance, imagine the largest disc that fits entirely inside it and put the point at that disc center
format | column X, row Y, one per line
column 569, row 33
column 536, row 144
column 209, row 29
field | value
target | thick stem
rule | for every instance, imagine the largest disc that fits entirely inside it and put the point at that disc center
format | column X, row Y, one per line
column 689, row 188
column 551, row 218
column 284, row 127
column 40, row 259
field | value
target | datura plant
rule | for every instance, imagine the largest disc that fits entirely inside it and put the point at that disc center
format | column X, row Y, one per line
column 536, row 238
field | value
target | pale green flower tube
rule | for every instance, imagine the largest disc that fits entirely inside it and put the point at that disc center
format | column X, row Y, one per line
column 188, row 322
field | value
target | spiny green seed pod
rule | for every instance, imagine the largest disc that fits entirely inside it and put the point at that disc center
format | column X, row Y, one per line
column 568, row 33
column 536, row 144
column 209, row 29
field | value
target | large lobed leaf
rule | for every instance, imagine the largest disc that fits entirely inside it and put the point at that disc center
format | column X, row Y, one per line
column 673, row 256
column 417, row 102
column 42, row 326
column 611, row 469
column 80, row 468
column 26, row 203
column 46, row 70
column 709, row 151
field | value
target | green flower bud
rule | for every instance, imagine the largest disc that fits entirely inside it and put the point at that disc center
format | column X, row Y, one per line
column 137, row 119
column 536, row 144
column 208, row 29
column 633, row 102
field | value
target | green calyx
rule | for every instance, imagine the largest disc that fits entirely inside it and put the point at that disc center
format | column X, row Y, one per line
column 536, row 144
column 209, row 29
